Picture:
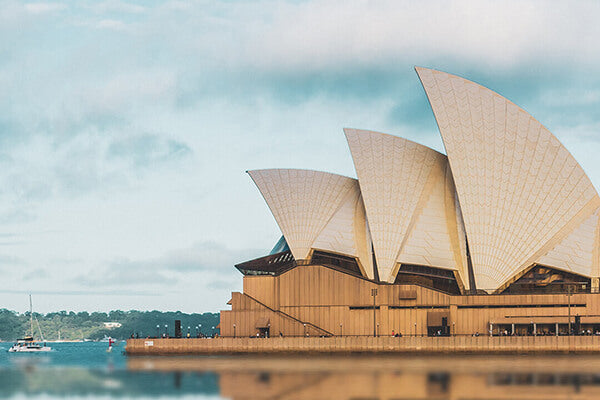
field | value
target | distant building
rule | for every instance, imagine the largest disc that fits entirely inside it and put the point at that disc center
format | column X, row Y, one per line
column 112, row 325
column 499, row 236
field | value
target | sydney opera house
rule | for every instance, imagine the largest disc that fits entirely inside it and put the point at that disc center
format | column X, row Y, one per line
column 499, row 236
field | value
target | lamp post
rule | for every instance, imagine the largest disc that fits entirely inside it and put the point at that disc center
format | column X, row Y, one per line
column 415, row 329
column 234, row 330
column 304, row 330
column 188, row 335
column 157, row 331
column 200, row 329
column 166, row 330
column 212, row 330
column 374, row 294
column 377, row 330
column 569, row 297
column 341, row 331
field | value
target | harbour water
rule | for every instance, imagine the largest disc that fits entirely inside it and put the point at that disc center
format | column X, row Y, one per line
column 86, row 370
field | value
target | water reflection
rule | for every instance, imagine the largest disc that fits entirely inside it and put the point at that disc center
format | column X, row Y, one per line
column 474, row 377
column 67, row 382
column 314, row 377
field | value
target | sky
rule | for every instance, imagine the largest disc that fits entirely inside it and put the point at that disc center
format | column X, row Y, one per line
column 126, row 127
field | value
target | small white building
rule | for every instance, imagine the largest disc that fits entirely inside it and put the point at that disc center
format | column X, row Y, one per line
column 112, row 325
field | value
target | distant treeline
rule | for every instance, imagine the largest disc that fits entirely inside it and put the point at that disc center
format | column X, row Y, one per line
column 84, row 325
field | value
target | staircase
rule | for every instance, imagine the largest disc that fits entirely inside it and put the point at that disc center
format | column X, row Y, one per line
column 321, row 331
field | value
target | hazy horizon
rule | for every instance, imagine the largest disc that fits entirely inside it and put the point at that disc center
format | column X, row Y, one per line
column 108, row 311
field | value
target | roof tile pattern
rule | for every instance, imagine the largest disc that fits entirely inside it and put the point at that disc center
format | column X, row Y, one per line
column 518, row 186
column 436, row 237
column 576, row 252
column 303, row 202
column 346, row 231
column 362, row 234
column 392, row 174
column 459, row 242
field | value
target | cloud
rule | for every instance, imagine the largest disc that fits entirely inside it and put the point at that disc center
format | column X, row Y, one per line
column 201, row 257
column 174, row 267
column 87, row 292
column 11, row 243
column 18, row 215
column 111, row 24
column 221, row 284
column 80, row 164
column 117, row 7
column 148, row 149
column 10, row 261
column 318, row 35
column 123, row 273
column 28, row 187
column 43, row 8
column 38, row 274
column 206, row 256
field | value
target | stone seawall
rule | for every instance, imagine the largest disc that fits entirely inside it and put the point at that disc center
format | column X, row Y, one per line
column 364, row 344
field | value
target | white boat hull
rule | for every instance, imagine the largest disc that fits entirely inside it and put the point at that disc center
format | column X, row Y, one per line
column 27, row 344
column 29, row 349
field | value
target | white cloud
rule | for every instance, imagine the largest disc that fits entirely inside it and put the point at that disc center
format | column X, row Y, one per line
column 322, row 34
column 200, row 257
column 111, row 24
column 123, row 89
column 115, row 6
column 43, row 8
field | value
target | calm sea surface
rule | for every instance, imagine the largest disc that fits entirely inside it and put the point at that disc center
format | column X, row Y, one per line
column 86, row 370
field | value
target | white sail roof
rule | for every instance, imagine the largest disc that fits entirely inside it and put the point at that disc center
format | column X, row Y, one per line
column 437, row 237
column 347, row 233
column 404, row 188
column 578, row 252
column 520, row 190
column 317, row 210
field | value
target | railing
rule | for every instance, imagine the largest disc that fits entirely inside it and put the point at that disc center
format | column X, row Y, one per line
column 281, row 313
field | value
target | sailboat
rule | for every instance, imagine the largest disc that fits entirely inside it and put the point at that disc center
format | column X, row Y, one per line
column 27, row 344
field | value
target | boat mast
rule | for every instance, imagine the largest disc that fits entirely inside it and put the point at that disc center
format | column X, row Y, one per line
column 31, row 315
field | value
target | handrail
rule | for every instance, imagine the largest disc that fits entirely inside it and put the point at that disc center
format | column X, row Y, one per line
column 289, row 316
